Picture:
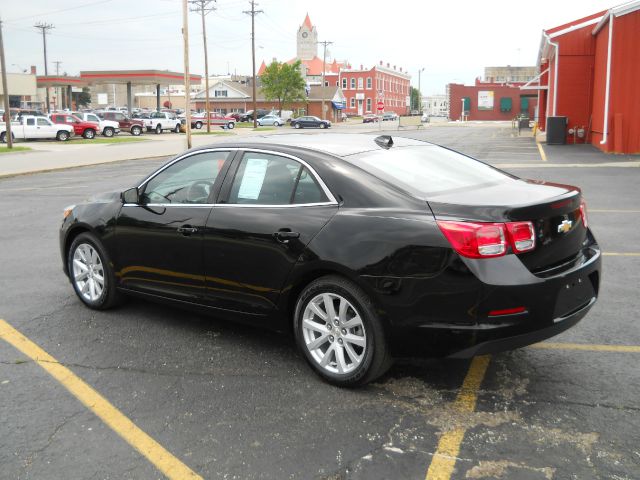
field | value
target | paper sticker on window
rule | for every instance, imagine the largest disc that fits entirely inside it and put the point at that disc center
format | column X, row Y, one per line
column 254, row 172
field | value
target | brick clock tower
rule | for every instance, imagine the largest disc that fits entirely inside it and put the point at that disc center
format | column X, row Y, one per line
column 307, row 40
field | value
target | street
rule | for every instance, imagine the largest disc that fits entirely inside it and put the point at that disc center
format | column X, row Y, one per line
column 233, row 402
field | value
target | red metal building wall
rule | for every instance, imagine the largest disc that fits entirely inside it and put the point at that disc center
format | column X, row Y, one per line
column 624, row 96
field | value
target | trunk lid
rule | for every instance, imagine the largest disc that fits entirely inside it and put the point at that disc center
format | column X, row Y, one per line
column 554, row 210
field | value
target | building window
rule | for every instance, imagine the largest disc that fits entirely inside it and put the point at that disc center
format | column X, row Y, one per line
column 360, row 83
column 220, row 93
column 353, row 84
column 368, row 104
column 368, row 83
column 353, row 102
column 344, row 83
column 337, row 83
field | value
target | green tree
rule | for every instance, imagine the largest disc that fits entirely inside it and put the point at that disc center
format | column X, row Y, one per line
column 284, row 83
column 83, row 98
column 416, row 99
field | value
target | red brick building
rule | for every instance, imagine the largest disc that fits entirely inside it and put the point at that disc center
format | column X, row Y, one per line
column 591, row 75
column 490, row 101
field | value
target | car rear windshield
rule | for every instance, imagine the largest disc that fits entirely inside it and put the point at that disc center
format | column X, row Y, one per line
column 427, row 171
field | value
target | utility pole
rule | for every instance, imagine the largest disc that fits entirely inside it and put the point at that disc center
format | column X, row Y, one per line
column 44, row 28
column 57, row 62
column 420, row 91
column 187, row 77
column 203, row 7
column 5, row 91
column 324, row 67
column 253, row 12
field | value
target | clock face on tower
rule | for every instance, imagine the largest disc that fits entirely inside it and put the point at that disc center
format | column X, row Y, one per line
column 305, row 34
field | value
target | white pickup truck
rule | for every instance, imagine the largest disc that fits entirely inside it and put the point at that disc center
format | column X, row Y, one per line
column 31, row 127
column 108, row 128
column 159, row 121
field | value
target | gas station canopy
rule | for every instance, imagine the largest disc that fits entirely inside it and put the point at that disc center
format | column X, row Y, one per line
column 138, row 77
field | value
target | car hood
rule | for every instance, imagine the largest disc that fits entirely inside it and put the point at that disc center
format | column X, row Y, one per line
column 105, row 197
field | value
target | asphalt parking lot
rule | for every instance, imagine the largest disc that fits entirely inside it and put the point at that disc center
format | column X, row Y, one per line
column 206, row 398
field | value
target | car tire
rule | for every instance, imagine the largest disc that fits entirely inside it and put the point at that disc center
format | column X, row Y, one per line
column 177, row 129
column 136, row 130
column 89, row 134
column 91, row 273
column 296, row 125
column 353, row 355
column 3, row 137
column 231, row 125
column 62, row 136
column 158, row 129
column 198, row 125
column 323, row 125
column 276, row 124
column 108, row 132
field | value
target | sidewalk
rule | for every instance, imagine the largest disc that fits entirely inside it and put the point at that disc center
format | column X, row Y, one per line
column 47, row 156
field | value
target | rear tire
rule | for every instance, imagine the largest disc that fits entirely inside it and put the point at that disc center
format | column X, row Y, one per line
column 91, row 273
column 158, row 129
column 297, row 125
column 136, row 130
column 346, row 347
column 62, row 136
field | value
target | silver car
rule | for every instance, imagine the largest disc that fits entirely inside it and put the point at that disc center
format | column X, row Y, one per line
column 271, row 119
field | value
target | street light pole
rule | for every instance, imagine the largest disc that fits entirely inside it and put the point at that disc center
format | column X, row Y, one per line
column 420, row 91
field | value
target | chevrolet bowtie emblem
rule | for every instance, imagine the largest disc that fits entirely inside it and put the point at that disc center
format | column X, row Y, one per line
column 565, row 226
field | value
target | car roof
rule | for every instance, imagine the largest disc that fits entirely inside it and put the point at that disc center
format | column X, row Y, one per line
column 338, row 144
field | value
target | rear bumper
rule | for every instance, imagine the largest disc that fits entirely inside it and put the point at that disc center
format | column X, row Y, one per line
column 463, row 327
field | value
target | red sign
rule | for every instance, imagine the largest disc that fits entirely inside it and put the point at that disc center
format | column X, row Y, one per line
column 380, row 106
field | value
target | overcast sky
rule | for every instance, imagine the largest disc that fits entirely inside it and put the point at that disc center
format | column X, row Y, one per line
column 452, row 40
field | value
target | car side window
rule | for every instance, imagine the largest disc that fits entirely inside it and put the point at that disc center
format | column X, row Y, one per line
column 42, row 122
column 265, row 179
column 31, row 122
column 188, row 181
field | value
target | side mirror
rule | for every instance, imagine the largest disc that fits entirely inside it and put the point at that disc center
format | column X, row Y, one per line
column 130, row 196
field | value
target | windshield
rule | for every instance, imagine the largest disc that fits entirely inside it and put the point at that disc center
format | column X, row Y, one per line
column 427, row 170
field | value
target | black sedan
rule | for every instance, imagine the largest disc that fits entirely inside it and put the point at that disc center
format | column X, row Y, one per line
column 310, row 122
column 366, row 248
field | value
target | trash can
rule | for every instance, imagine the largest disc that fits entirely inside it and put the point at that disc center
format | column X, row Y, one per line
column 557, row 130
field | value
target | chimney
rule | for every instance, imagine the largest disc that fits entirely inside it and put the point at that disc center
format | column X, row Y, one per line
column 388, row 64
column 361, row 67
column 33, row 69
column 394, row 67
column 400, row 68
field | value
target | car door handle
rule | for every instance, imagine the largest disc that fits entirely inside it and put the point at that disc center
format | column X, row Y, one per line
column 187, row 230
column 284, row 235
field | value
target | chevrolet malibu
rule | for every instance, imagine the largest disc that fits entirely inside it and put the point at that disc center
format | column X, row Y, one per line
column 365, row 248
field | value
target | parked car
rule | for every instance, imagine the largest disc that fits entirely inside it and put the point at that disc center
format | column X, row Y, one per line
column 80, row 127
column 133, row 126
column 248, row 116
column 458, row 258
column 236, row 116
column 107, row 128
column 425, row 118
column 215, row 119
column 161, row 121
column 31, row 127
column 270, row 119
column 310, row 122
column 389, row 116
column 370, row 118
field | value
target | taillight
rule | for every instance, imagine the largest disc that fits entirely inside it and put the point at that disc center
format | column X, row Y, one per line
column 475, row 240
column 487, row 240
column 521, row 236
column 583, row 213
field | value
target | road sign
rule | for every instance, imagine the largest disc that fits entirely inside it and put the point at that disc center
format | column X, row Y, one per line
column 380, row 106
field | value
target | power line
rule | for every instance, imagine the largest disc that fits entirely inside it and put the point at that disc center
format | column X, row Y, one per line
column 61, row 10
column 44, row 28
column 253, row 12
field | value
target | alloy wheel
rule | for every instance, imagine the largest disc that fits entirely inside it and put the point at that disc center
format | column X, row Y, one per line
column 88, row 272
column 334, row 333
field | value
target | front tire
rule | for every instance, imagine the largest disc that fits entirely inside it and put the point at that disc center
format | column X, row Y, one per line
column 136, row 131
column 339, row 333
column 91, row 273
column 231, row 125
column 89, row 134
column 62, row 136
column 108, row 132
column 323, row 125
column 177, row 129
column 276, row 124
column 198, row 125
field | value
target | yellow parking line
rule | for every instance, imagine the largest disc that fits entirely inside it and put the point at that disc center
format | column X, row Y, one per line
column 444, row 460
column 588, row 347
column 163, row 460
column 621, row 254
column 541, row 150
